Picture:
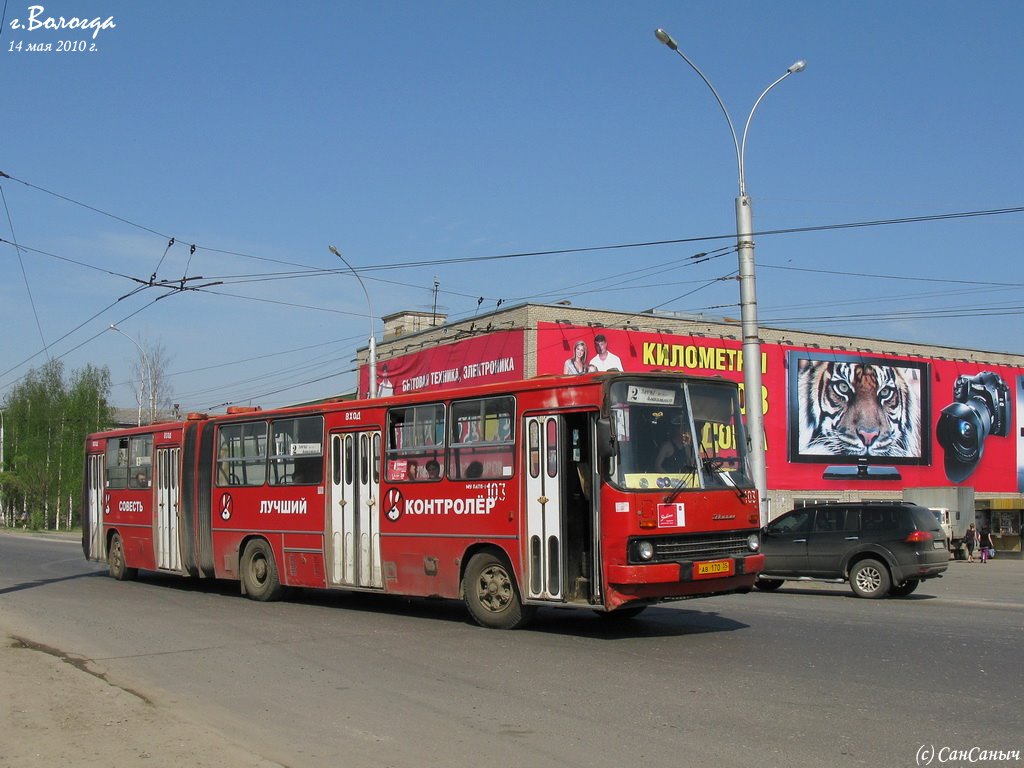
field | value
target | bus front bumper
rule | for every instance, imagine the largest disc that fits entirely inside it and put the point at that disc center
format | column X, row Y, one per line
column 681, row 580
column 685, row 571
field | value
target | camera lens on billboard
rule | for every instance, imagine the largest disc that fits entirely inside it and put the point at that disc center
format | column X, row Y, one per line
column 961, row 432
column 981, row 408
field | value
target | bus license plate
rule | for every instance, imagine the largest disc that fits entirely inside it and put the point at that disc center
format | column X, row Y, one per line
column 712, row 568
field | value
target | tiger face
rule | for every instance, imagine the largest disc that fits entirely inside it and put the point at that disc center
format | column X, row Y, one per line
column 855, row 409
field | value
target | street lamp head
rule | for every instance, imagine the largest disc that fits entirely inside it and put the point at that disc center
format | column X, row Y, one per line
column 666, row 38
column 369, row 309
column 745, row 251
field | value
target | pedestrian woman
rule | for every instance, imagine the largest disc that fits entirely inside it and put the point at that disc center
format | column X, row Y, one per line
column 971, row 541
column 985, row 542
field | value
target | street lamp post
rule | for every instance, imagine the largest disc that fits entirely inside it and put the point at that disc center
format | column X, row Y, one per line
column 149, row 376
column 748, row 294
column 372, row 352
column 3, row 511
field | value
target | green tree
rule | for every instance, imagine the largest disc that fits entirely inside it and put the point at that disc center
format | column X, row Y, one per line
column 46, row 419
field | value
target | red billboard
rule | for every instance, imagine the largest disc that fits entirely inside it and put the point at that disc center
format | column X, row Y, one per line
column 484, row 359
column 836, row 419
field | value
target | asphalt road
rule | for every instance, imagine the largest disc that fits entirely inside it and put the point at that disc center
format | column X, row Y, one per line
column 807, row 676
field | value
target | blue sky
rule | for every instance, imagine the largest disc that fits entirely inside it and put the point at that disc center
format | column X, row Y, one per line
column 409, row 133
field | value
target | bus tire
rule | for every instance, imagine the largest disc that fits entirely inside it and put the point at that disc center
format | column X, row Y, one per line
column 115, row 560
column 259, row 573
column 490, row 593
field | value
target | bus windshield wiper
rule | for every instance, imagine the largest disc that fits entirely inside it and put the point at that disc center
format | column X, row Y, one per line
column 682, row 482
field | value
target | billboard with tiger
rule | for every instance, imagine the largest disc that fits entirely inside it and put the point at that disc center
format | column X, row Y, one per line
column 835, row 418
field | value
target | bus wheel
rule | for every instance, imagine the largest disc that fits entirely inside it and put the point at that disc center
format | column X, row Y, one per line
column 491, row 595
column 115, row 560
column 259, row 573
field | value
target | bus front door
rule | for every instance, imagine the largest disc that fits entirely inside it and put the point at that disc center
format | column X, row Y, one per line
column 354, row 522
column 543, row 507
column 562, row 531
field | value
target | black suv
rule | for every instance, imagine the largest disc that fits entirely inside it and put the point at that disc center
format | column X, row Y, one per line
column 880, row 548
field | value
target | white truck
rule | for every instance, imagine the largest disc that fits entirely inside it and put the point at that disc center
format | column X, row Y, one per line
column 953, row 507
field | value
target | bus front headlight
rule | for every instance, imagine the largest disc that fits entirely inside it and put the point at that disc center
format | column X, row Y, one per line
column 645, row 550
column 753, row 542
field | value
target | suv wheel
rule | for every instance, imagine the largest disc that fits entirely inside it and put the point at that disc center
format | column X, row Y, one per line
column 870, row 579
column 904, row 589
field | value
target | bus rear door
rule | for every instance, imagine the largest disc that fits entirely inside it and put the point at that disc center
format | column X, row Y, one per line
column 168, row 548
column 97, row 507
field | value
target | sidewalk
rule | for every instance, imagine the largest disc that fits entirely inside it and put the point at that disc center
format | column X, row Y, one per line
column 72, row 535
column 59, row 710
column 55, row 713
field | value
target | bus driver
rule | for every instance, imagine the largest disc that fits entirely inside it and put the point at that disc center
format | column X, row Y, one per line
column 676, row 454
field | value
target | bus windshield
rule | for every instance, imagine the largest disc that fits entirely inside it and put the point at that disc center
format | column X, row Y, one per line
column 677, row 434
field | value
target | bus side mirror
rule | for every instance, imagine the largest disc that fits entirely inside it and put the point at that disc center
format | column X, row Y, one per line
column 606, row 445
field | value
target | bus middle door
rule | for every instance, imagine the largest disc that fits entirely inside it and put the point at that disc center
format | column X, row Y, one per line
column 354, row 519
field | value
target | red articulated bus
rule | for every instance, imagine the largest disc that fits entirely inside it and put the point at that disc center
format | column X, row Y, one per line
column 554, row 491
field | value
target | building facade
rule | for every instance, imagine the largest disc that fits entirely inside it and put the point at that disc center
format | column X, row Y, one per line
column 846, row 418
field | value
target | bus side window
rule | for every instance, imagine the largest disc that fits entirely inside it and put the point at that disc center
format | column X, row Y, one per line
column 242, row 454
column 297, row 446
column 307, row 472
column 482, row 438
column 415, row 443
column 140, row 461
column 117, row 463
